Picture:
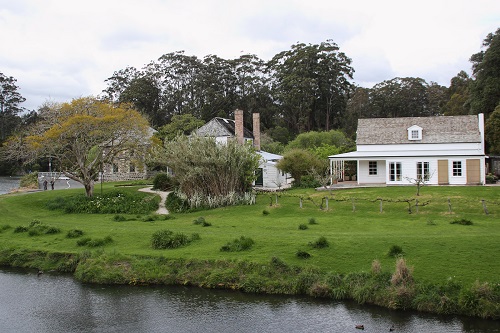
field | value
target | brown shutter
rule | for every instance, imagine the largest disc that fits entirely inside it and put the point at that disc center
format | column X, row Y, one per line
column 443, row 172
column 473, row 171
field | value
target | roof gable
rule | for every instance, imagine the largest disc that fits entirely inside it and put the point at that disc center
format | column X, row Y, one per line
column 219, row 127
column 441, row 129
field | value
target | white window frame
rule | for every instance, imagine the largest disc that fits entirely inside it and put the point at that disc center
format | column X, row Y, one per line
column 457, row 168
column 395, row 171
column 414, row 133
column 372, row 168
column 423, row 171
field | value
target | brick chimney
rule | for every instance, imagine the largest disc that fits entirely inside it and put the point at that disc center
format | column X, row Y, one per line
column 256, row 131
column 238, row 126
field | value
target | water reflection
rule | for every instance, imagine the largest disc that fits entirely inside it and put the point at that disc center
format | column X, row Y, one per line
column 52, row 303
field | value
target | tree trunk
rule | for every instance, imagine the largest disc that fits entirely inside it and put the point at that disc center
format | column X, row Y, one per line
column 89, row 189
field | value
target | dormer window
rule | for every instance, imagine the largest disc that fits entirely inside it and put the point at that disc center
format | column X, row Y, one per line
column 414, row 133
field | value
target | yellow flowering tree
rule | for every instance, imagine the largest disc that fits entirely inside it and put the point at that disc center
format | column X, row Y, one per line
column 82, row 135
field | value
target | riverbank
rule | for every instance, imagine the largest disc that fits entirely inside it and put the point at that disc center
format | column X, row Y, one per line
column 450, row 266
column 275, row 278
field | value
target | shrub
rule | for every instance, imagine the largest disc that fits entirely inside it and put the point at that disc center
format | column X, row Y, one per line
column 30, row 180
column 113, row 202
column 99, row 241
column 74, row 233
column 163, row 182
column 320, row 243
column 395, row 251
column 265, row 212
column 462, row 222
column 303, row 226
column 302, row 254
column 166, row 239
column 240, row 244
column 312, row 220
column 20, row 229
column 87, row 241
column 119, row 218
column 4, row 227
column 52, row 231
column 174, row 203
column 199, row 220
column 83, row 241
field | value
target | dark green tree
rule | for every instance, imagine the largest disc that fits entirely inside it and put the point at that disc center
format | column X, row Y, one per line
column 179, row 125
column 10, row 105
column 311, row 84
column 485, row 89
column 458, row 95
column 300, row 162
column 400, row 97
column 492, row 132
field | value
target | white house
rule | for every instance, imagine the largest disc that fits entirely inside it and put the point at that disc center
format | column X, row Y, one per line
column 396, row 151
column 223, row 130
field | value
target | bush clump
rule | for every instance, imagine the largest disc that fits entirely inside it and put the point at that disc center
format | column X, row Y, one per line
column 239, row 244
column 395, row 251
column 29, row 181
column 462, row 222
column 312, row 220
column 303, row 254
column 74, row 233
column 320, row 243
column 95, row 242
column 113, row 202
column 119, row 218
column 163, row 182
column 167, row 239
column 303, row 226
column 265, row 212
column 201, row 221
column 4, row 227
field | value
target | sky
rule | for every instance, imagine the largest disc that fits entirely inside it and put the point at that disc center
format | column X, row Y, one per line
column 59, row 50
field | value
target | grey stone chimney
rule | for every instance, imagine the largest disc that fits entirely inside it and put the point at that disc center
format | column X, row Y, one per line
column 238, row 126
column 256, row 131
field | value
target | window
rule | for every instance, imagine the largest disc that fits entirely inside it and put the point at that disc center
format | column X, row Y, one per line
column 395, row 171
column 423, row 171
column 132, row 167
column 115, row 168
column 457, row 168
column 414, row 133
column 372, row 168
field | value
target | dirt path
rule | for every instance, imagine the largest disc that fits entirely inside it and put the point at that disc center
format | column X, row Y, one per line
column 163, row 195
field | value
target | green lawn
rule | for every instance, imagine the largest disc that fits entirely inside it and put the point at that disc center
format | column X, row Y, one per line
column 435, row 248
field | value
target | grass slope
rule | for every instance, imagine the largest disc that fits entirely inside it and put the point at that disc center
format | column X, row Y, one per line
column 438, row 251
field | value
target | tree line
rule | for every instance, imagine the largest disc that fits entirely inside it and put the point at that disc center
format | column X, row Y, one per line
column 307, row 88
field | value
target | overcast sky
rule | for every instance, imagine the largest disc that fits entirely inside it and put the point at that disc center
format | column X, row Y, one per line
column 64, row 49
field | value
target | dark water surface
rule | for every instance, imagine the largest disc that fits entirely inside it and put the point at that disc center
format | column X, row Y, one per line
column 8, row 183
column 55, row 303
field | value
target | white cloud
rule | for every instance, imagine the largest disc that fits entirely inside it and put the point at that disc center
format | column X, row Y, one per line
column 64, row 49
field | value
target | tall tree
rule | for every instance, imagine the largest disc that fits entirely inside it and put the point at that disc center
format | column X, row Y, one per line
column 10, row 100
column 458, row 95
column 492, row 132
column 485, row 89
column 400, row 97
column 311, row 85
column 82, row 135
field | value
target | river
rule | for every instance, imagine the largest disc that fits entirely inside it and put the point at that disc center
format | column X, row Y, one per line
column 8, row 183
column 58, row 303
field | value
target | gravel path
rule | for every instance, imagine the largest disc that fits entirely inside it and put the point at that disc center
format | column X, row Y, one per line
column 163, row 195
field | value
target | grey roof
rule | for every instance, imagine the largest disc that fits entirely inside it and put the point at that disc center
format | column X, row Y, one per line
column 218, row 127
column 441, row 129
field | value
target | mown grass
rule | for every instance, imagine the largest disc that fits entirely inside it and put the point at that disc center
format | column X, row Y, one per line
column 357, row 232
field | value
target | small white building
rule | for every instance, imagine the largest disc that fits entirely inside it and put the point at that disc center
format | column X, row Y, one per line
column 443, row 150
column 223, row 130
